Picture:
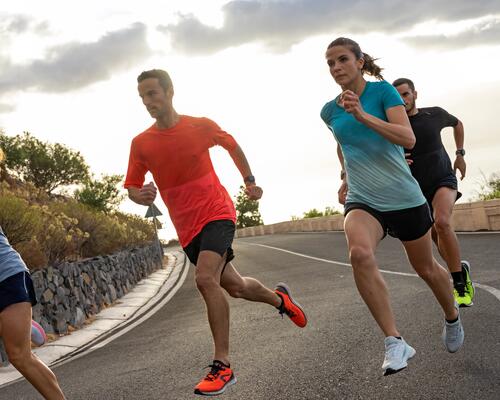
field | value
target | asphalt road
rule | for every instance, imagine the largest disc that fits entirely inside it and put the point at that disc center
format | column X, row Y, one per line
column 337, row 356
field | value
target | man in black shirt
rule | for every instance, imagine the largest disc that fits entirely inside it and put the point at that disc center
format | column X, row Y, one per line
column 431, row 166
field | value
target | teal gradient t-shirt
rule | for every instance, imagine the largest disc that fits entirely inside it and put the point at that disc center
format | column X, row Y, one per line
column 10, row 261
column 377, row 172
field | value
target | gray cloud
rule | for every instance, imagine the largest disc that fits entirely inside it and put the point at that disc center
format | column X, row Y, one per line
column 281, row 23
column 18, row 24
column 76, row 65
column 15, row 24
column 484, row 33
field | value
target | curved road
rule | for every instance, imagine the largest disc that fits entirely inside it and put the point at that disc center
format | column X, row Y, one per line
column 337, row 356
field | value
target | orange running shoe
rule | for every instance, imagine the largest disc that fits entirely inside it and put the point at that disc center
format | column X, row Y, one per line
column 217, row 380
column 289, row 306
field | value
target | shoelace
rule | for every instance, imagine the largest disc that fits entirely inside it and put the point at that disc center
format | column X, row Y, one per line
column 284, row 310
column 460, row 290
column 453, row 331
column 214, row 372
column 392, row 350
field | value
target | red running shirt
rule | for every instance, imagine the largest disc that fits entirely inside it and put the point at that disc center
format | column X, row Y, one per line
column 179, row 160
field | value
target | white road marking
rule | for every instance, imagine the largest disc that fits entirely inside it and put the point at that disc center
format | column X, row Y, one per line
column 495, row 292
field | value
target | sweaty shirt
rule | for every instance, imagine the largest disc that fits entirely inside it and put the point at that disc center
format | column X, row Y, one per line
column 377, row 172
column 11, row 262
column 431, row 162
column 179, row 160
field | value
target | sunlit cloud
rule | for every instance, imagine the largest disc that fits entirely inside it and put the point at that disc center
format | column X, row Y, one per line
column 280, row 24
column 75, row 65
column 486, row 32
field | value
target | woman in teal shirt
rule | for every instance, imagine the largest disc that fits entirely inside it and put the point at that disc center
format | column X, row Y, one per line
column 381, row 197
column 17, row 295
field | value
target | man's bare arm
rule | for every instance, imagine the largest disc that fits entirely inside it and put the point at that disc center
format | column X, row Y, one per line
column 458, row 133
column 253, row 191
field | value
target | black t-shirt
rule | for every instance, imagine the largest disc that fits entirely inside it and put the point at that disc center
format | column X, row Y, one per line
column 431, row 163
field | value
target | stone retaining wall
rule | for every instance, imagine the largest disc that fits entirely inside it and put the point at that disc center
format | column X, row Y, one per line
column 467, row 217
column 71, row 292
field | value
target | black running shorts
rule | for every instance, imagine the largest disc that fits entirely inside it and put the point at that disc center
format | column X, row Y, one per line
column 17, row 288
column 406, row 225
column 447, row 181
column 216, row 236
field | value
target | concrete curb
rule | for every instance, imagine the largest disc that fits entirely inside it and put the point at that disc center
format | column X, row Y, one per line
column 129, row 309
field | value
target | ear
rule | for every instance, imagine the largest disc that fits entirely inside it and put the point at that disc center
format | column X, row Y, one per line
column 361, row 63
column 415, row 95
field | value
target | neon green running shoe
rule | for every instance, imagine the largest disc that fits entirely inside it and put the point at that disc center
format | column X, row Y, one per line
column 462, row 298
column 469, row 286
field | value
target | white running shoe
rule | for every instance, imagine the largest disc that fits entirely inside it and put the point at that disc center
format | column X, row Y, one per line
column 453, row 334
column 397, row 353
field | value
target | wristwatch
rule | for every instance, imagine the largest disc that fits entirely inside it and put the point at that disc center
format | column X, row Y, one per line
column 249, row 179
column 460, row 152
column 342, row 174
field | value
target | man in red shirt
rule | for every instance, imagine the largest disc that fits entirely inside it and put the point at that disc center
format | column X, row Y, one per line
column 175, row 149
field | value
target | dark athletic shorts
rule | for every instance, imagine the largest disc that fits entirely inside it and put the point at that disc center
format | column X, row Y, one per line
column 17, row 288
column 215, row 236
column 406, row 225
column 447, row 181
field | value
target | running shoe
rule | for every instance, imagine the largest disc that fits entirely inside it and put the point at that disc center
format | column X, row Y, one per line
column 453, row 334
column 38, row 336
column 289, row 306
column 217, row 380
column 397, row 354
column 469, row 286
column 462, row 297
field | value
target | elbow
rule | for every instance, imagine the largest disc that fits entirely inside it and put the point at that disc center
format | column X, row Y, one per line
column 410, row 141
column 410, row 144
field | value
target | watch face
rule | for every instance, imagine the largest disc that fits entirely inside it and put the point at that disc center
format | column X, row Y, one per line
column 250, row 179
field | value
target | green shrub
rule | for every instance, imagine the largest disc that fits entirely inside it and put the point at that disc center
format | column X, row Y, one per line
column 47, row 230
column 20, row 221
column 490, row 189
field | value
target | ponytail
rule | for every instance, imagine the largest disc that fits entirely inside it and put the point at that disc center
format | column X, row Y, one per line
column 371, row 68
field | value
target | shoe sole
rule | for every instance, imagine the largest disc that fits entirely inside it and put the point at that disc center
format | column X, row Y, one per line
column 391, row 371
column 289, row 294
column 229, row 383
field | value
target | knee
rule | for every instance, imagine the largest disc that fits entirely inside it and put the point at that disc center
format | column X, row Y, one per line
column 18, row 357
column 442, row 224
column 205, row 283
column 426, row 271
column 360, row 255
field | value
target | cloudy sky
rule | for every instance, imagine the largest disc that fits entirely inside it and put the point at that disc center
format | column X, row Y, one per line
column 68, row 74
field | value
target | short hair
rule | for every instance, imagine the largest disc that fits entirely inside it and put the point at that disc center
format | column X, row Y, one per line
column 402, row 81
column 162, row 76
